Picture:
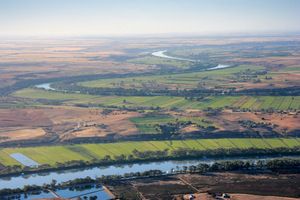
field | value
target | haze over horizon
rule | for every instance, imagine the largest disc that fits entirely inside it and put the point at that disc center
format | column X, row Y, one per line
column 117, row 17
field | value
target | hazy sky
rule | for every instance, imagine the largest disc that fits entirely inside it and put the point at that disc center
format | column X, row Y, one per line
column 105, row 17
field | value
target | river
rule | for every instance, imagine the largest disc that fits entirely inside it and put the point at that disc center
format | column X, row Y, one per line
column 45, row 86
column 93, row 172
column 162, row 55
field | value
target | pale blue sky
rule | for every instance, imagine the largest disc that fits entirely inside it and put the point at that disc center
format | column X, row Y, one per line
column 106, row 17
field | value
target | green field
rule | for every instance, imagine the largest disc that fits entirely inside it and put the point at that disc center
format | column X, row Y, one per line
column 260, row 102
column 183, row 80
column 203, row 121
column 52, row 154
column 293, row 68
column 146, row 124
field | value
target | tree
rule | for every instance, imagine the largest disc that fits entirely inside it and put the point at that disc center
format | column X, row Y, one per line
column 53, row 183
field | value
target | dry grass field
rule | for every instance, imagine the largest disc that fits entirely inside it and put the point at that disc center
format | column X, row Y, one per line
column 22, row 124
column 249, row 185
column 67, row 123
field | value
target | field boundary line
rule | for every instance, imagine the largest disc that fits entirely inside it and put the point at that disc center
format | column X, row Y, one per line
column 235, row 102
column 291, row 102
column 184, row 144
column 247, row 99
column 297, row 140
column 218, row 143
column 267, row 143
column 201, row 144
column 250, row 107
column 284, row 143
column 232, row 143
column 251, row 143
column 140, row 194
column 185, row 182
column 272, row 103
column 106, row 149
column 153, row 145
column 186, row 106
column 281, row 103
column 169, row 145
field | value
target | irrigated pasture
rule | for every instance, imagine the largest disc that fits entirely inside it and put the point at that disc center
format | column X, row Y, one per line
column 257, row 103
column 52, row 154
column 247, row 102
column 146, row 124
column 181, row 81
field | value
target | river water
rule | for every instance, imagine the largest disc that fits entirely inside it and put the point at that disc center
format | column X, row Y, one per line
column 45, row 86
column 87, row 191
column 162, row 55
column 93, row 172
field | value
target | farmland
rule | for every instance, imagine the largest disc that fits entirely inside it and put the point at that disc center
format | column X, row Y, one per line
column 255, row 103
column 52, row 154
column 180, row 80
column 112, row 97
column 146, row 124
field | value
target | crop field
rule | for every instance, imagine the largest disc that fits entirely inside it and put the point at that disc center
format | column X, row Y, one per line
column 152, row 120
column 249, row 103
column 277, row 102
column 52, row 154
column 275, row 142
column 196, row 120
column 291, row 142
column 240, row 102
column 296, row 103
column 146, row 124
column 194, row 144
column 226, row 144
column 241, row 143
column 7, row 160
column 256, row 103
column 71, row 99
column 286, row 103
column 259, row 143
column 293, row 68
column 184, row 80
column 260, row 102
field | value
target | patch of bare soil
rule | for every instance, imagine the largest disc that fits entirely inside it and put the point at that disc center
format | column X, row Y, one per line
column 23, row 124
column 238, row 185
column 23, row 117
column 252, row 182
column 24, row 133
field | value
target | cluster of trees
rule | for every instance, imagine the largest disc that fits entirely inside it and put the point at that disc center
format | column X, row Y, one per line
column 150, row 154
column 192, row 153
column 274, row 165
